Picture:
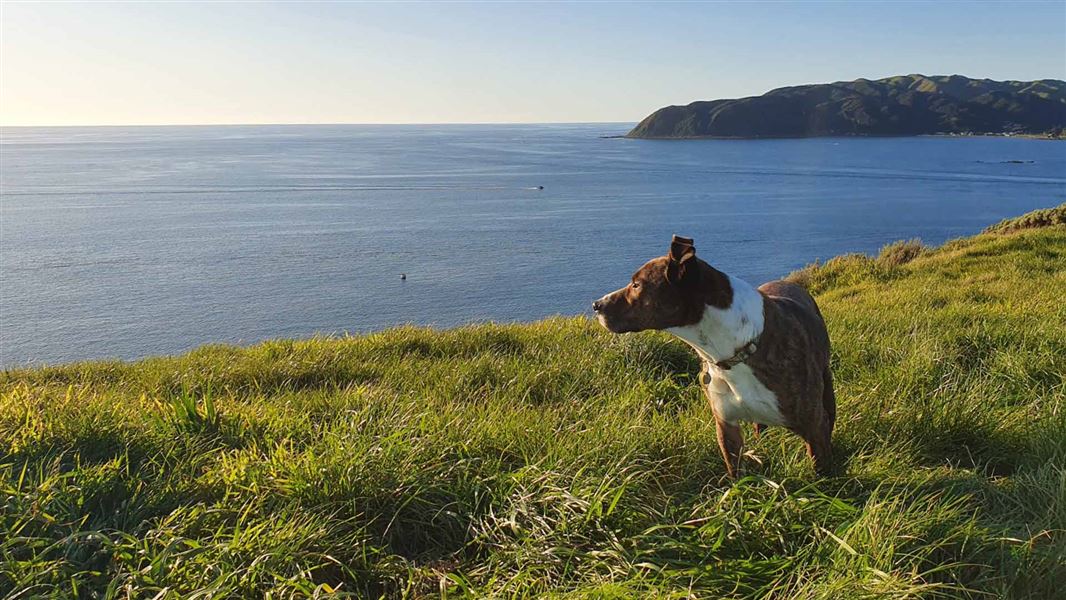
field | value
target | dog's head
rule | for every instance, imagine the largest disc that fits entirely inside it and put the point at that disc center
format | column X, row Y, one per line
column 669, row 291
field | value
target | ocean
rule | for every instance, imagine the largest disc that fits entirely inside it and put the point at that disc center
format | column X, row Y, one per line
column 125, row 242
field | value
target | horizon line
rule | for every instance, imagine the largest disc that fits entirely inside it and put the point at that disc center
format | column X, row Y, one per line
column 8, row 126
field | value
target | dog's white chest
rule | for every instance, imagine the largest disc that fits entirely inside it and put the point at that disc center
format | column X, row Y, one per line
column 737, row 395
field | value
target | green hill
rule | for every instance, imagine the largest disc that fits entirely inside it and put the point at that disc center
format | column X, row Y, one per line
column 556, row 459
column 902, row 105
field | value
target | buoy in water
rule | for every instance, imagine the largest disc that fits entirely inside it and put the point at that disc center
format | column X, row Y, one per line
column 403, row 276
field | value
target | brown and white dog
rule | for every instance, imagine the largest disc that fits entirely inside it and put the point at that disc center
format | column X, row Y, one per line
column 764, row 352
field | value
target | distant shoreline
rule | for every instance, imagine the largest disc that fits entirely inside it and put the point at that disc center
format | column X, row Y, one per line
column 1028, row 136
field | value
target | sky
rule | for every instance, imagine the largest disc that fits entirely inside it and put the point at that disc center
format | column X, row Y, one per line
column 214, row 63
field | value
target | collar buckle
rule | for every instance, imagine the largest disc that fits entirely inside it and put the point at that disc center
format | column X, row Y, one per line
column 743, row 353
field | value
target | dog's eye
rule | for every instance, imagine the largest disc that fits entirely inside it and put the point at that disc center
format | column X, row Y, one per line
column 635, row 284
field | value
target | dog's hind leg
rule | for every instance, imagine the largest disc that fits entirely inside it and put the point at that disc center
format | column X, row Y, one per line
column 731, row 443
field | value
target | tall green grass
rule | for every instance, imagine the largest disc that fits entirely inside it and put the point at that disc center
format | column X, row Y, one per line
column 553, row 459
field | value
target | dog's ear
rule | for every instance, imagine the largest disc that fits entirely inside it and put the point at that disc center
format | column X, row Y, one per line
column 679, row 246
column 681, row 267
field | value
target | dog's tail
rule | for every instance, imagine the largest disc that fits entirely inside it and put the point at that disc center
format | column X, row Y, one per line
column 829, row 398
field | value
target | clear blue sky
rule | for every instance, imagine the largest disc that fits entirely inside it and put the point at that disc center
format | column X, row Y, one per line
column 141, row 63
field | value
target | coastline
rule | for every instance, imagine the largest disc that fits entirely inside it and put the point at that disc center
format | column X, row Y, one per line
column 1028, row 136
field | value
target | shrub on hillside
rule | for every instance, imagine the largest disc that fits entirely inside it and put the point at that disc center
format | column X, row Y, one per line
column 901, row 252
column 853, row 268
column 1038, row 218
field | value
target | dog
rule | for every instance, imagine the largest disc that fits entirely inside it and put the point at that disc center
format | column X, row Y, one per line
column 764, row 352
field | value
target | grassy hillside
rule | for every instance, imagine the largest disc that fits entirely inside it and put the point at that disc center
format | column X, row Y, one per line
column 556, row 459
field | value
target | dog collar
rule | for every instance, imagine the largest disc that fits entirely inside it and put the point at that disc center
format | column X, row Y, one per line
column 742, row 354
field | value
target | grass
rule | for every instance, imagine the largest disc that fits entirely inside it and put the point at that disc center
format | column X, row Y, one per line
column 553, row 459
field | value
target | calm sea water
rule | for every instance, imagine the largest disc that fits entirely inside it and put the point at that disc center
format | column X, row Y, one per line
column 127, row 242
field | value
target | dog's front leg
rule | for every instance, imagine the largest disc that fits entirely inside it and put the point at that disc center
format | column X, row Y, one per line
column 731, row 443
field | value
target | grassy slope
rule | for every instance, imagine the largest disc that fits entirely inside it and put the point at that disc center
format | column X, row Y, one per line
column 554, row 458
